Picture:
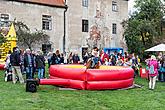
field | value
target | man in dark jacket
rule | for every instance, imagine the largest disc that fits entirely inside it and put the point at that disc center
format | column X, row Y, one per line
column 29, row 64
column 15, row 63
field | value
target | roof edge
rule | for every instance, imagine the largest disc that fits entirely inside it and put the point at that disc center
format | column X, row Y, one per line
column 58, row 6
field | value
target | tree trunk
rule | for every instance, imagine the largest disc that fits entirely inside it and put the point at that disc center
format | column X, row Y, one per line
column 143, row 38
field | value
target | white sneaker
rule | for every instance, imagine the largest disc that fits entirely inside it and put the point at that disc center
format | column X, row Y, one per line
column 5, row 78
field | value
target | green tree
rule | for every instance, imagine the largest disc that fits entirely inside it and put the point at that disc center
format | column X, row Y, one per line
column 28, row 38
column 2, row 38
column 143, row 28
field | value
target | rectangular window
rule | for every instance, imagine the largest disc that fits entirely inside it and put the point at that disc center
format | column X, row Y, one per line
column 46, row 48
column 85, row 3
column 4, row 20
column 46, row 22
column 84, row 25
column 114, row 28
column 114, row 6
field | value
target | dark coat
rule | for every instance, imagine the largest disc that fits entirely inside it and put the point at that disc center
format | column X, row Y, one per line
column 26, row 62
column 15, row 58
column 76, row 59
column 40, row 61
column 55, row 60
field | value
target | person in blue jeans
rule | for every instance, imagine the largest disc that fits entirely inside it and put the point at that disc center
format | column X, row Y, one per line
column 162, row 70
column 29, row 64
column 40, row 64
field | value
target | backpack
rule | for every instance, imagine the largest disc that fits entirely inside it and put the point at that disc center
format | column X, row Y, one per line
column 151, row 70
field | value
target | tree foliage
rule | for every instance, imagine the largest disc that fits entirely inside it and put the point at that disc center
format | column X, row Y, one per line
column 28, row 38
column 2, row 38
column 144, row 27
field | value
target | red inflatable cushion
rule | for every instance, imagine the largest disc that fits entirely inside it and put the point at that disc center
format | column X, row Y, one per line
column 68, row 73
column 60, row 82
column 109, row 75
column 102, row 85
column 78, row 77
column 76, row 84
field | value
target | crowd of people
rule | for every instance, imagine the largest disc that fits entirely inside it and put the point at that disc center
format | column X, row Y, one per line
column 19, row 62
column 29, row 62
column 32, row 63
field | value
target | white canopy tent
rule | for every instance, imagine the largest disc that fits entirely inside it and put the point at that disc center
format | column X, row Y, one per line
column 160, row 48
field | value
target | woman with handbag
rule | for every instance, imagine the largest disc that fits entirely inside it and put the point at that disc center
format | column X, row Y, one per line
column 153, row 72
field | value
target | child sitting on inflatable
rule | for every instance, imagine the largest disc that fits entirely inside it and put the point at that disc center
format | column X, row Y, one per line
column 94, row 61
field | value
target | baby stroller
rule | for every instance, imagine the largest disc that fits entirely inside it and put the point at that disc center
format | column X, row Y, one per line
column 8, row 72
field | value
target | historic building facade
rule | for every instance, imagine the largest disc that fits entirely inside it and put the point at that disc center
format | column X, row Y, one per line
column 96, row 23
column 71, row 24
column 46, row 15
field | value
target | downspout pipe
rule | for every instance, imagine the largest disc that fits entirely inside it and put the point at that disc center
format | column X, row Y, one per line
column 64, row 37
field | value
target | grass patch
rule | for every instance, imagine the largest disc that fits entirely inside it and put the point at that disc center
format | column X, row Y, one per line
column 14, row 97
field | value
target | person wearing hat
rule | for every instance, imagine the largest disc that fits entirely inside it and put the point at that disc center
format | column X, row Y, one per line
column 153, row 72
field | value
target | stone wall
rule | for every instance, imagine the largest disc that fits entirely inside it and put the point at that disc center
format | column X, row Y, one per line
column 31, row 14
column 100, row 16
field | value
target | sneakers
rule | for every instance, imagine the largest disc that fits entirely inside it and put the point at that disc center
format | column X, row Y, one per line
column 151, row 89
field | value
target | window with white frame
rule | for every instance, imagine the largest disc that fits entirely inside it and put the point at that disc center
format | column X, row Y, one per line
column 46, row 22
column 85, row 3
column 4, row 20
column 114, row 6
column 114, row 28
column 84, row 25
